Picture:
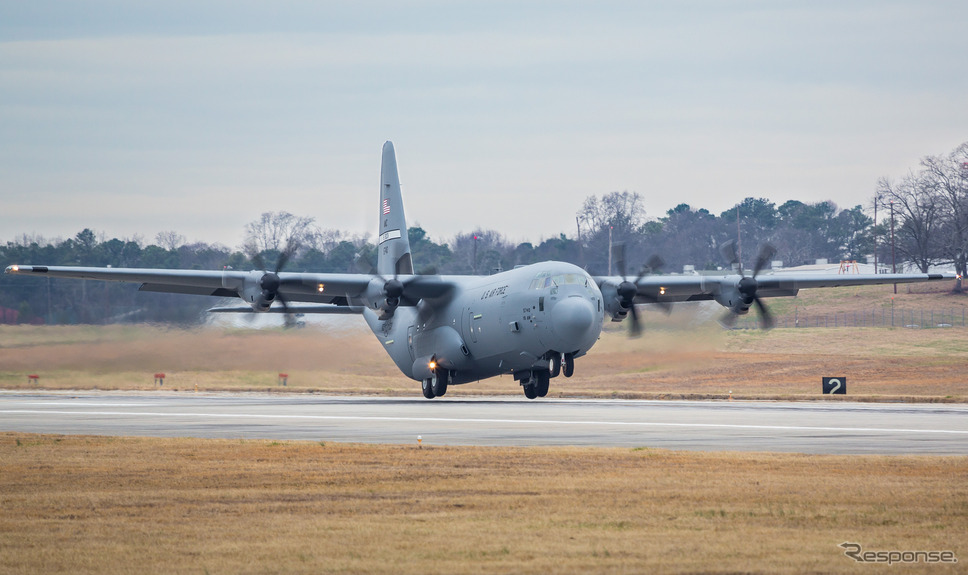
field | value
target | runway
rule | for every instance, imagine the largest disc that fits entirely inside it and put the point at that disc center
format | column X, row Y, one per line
column 805, row 427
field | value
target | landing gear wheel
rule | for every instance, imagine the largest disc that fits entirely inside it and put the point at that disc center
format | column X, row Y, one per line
column 542, row 382
column 427, row 388
column 438, row 382
column 530, row 390
column 554, row 364
column 569, row 369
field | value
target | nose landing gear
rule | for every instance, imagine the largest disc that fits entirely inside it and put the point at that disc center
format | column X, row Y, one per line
column 538, row 381
column 569, row 367
column 554, row 364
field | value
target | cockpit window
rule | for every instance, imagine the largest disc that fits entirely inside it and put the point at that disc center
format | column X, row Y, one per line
column 541, row 280
column 549, row 279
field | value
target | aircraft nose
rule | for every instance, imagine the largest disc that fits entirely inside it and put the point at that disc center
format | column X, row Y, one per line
column 572, row 318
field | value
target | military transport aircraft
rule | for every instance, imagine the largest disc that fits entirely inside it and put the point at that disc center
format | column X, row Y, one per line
column 531, row 322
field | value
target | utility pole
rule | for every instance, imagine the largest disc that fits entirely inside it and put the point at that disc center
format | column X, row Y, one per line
column 609, row 250
column 877, row 199
column 50, row 315
column 581, row 254
column 893, row 252
column 739, row 243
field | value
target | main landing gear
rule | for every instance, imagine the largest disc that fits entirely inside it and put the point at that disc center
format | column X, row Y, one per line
column 436, row 384
column 537, row 383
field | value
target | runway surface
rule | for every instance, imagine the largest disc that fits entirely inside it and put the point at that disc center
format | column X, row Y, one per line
column 807, row 427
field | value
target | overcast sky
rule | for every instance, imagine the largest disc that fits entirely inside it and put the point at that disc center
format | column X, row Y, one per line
column 133, row 118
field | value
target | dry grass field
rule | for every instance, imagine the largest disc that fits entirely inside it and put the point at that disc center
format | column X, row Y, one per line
column 684, row 355
column 136, row 505
column 150, row 505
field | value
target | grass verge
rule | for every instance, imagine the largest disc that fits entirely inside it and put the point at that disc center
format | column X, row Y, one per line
column 147, row 505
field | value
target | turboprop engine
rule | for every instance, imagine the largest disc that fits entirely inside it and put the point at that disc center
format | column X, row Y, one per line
column 617, row 299
column 738, row 297
column 260, row 289
column 386, row 295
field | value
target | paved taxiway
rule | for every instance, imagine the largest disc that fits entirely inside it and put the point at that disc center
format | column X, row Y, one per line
column 841, row 427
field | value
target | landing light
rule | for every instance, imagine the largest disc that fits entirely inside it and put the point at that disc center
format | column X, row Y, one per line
column 661, row 291
column 321, row 287
column 432, row 365
column 15, row 268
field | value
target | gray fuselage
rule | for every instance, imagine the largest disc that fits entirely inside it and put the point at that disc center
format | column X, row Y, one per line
column 500, row 324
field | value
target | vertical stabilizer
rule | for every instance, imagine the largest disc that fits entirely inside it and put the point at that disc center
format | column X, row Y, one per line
column 393, row 247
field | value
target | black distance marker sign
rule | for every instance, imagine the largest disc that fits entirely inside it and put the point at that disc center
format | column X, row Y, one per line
column 835, row 385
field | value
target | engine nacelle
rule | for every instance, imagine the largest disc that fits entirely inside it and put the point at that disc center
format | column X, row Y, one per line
column 732, row 299
column 255, row 293
column 613, row 302
column 383, row 296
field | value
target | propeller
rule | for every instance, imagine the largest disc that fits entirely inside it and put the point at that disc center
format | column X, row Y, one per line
column 271, row 282
column 425, row 284
column 748, row 285
column 392, row 288
column 628, row 290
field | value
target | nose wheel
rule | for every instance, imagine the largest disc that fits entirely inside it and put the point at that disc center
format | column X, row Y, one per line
column 554, row 364
column 569, row 365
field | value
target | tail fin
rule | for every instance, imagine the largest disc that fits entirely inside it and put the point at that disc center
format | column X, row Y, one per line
column 393, row 249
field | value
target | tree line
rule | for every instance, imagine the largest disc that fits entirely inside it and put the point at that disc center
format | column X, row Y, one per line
column 930, row 227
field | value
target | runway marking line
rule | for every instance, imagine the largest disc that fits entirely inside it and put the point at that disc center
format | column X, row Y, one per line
column 480, row 420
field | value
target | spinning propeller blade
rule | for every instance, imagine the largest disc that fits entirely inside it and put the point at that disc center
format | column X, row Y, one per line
column 271, row 282
column 748, row 285
column 628, row 290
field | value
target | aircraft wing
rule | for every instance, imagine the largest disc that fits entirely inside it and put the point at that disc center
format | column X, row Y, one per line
column 320, row 288
column 671, row 289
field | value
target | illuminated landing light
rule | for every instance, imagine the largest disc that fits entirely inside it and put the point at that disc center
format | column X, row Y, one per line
column 15, row 268
column 432, row 365
column 661, row 291
column 320, row 288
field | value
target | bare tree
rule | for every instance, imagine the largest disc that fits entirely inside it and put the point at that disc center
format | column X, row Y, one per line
column 170, row 240
column 620, row 213
column 278, row 231
column 914, row 203
column 480, row 252
column 947, row 178
column 623, row 211
column 325, row 240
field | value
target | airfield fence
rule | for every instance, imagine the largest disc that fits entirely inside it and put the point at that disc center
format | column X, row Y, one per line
column 876, row 317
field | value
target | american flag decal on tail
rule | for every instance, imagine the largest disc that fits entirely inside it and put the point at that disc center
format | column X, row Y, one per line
column 386, row 206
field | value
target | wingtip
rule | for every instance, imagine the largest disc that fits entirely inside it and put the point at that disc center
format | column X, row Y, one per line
column 19, row 269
